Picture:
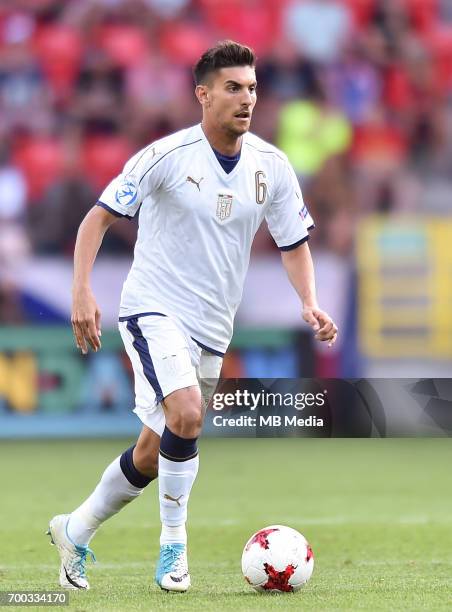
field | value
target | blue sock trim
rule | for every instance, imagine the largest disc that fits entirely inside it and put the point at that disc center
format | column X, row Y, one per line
column 175, row 448
column 136, row 478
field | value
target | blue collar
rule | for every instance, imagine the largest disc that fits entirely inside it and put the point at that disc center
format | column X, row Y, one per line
column 228, row 162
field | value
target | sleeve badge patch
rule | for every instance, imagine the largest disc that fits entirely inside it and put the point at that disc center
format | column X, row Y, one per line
column 127, row 192
column 303, row 212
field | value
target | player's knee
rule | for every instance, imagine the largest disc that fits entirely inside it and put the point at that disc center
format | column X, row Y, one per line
column 186, row 422
column 184, row 413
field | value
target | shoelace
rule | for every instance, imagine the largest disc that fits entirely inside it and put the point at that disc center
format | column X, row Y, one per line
column 173, row 559
column 79, row 563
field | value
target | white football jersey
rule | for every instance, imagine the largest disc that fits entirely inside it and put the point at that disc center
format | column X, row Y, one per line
column 197, row 224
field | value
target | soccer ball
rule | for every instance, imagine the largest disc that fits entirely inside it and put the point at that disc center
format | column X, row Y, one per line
column 277, row 558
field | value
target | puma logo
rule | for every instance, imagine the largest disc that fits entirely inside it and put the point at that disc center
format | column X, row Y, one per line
column 192, row 180
column 154, row 152
column 174, row 499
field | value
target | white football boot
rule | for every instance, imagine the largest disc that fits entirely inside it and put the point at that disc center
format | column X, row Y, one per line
column 172, row 569
column 73, row 557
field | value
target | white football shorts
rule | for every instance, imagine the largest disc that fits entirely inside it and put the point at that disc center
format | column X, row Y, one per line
column 165, row 358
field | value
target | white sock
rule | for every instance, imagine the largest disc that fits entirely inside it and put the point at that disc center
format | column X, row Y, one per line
column 176, row 479
column 173, row 535
column 112, row 493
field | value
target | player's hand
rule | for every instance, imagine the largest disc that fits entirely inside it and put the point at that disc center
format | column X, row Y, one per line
column 322, row 324
column 85, row 320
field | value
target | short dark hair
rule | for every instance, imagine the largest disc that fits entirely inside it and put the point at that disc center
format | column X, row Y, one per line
column 224, row 54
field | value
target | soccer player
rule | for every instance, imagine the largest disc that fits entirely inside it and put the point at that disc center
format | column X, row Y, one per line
column 202, row 193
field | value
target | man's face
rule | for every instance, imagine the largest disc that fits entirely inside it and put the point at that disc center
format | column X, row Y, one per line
column 228, row 99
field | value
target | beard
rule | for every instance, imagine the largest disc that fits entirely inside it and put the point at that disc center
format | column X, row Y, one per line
column 236, row 130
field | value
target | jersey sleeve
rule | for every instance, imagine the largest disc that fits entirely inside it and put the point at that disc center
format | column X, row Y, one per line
column 140, row 177
column 287, row 217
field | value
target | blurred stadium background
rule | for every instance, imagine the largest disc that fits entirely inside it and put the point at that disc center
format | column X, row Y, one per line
column 358, row 93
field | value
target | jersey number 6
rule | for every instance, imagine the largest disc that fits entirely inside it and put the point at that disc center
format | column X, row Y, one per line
column 261, row 187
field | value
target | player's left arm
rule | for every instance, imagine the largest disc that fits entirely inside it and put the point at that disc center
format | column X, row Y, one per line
column 300, row 270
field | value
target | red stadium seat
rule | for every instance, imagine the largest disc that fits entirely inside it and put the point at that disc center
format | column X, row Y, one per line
column 183, row 43
column 377, row 142
column 439, row 41
column 41, row 161
column 250, row 22
column 362, row 11
column 398, row 94
column 423, row 13
column 103, row 157
column 126, row 44
column 59, row 50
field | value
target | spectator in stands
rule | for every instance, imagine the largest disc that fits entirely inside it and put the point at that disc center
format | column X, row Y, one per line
column 318, row 28
column 99, row 102
column 53, row 222
column 311, row 132
column 25, row 98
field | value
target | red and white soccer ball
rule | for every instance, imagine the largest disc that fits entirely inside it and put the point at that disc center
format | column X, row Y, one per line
column 277, row 558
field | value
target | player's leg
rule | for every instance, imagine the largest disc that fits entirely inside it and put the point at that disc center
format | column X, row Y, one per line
column 164, row 361
column 178, row 467
column 146, row 452
column 122, row 482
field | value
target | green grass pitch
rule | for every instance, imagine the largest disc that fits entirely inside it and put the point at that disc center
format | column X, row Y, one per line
column 378, row 514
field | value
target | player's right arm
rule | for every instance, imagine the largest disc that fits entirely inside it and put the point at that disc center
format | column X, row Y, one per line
column 142, row 175
column 85, row 311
